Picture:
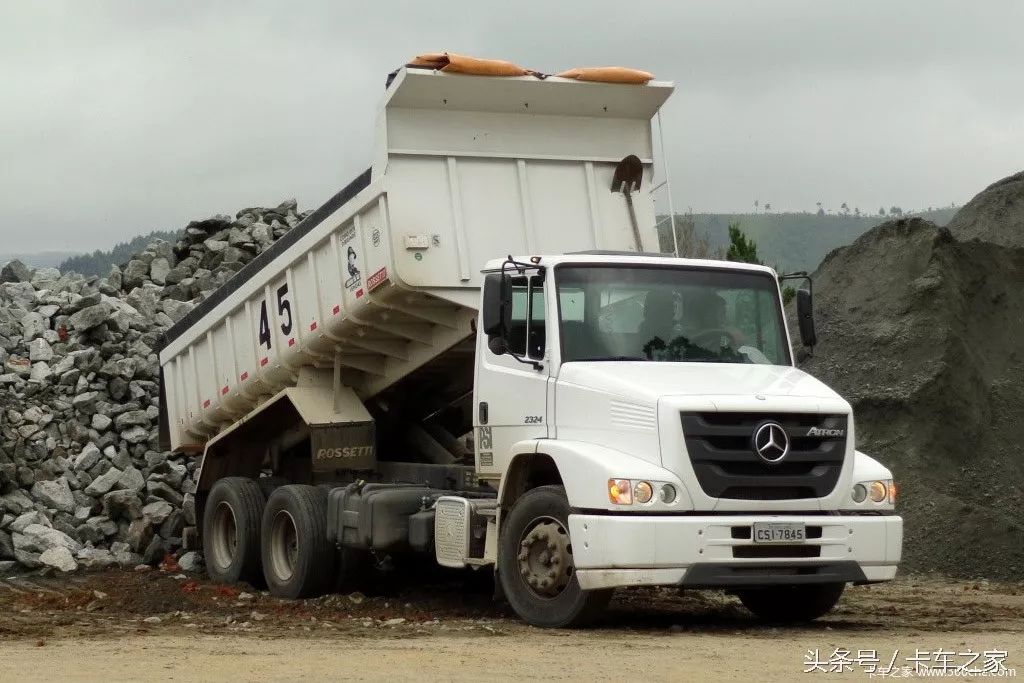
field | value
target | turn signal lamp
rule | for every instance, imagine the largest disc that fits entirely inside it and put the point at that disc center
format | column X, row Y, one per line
column 620, row 492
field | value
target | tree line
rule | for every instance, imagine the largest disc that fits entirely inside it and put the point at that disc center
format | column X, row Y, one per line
column 100, row 261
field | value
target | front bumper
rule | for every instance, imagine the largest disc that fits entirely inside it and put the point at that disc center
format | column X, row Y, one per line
column 716, row 551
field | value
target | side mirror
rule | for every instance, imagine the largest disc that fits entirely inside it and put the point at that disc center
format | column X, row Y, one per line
column 497, row 305
column 805, row 317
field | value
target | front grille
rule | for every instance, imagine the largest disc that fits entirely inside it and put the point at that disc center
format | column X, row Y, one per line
column 722, row 454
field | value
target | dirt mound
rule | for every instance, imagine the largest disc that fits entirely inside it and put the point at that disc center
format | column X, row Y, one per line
column 922, row 333
column 995, row 215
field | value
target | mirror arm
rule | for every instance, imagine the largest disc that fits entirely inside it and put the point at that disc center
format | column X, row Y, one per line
column 518, row 268
column 799, row 275
column 526, row 361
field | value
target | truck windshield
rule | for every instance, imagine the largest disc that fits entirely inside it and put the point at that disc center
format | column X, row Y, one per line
column 658, row 313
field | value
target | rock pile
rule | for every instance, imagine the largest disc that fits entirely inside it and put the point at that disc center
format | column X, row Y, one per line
column 921, row 332
column 82, row 479
column 994, row 215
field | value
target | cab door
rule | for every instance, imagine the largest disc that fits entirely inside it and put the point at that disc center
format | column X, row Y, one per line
column 511, row 394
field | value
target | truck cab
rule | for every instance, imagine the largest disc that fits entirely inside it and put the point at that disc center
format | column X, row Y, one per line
column 656, row 402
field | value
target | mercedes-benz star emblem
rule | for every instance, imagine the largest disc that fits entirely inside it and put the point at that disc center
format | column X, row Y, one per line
column 770, row 442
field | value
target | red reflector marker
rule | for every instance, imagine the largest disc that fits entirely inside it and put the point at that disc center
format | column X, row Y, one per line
column 224, row 390
column 337, row 310
column 359, row 293
column 206, row 403
column 291, row 342
column 264, row 362
column 312, row 325
column 244, row 376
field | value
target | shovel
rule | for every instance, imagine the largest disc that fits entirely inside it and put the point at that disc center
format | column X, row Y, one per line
column 628, row 174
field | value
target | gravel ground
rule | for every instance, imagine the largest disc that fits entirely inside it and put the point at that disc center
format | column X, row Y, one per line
column 160, row 625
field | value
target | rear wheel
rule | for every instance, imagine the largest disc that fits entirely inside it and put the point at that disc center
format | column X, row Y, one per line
column 298, row 557
column 231, row 530
column 792, row 604
column 535, row 563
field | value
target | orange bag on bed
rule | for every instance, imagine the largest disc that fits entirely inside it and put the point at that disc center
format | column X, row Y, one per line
column 461, row 64
column 608, row 74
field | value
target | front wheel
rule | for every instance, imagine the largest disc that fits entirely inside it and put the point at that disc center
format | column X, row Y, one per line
column 535, row 563
column 792, row 604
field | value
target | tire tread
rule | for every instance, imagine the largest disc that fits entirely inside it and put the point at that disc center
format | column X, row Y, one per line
column 247, row 498
column 315, row 565
column 589, row 604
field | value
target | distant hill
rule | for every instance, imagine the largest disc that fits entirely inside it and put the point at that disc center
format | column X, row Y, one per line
column 99, row 262
column 790, row 241
column 41, row 259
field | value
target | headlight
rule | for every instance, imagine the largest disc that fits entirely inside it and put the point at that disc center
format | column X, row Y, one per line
column 667, row 494
column 640, row 492
column 643, row 492
column 860, row 492
column 878, row 491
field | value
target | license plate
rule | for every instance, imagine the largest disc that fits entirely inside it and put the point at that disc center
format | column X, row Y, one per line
column 779, row 532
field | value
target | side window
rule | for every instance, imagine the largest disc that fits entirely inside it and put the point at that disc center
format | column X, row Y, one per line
column 527, row 335
column 537, row 333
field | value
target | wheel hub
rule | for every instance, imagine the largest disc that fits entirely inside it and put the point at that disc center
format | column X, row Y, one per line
column 545, row 558
column 225, row 536
column 284, row 545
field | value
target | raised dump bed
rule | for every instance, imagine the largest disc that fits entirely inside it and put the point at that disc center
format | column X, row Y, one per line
column 383, row 279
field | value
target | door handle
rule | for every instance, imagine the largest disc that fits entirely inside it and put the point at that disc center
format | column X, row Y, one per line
column 483, row 412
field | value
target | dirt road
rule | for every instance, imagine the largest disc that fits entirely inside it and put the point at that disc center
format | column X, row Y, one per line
column 153, row 626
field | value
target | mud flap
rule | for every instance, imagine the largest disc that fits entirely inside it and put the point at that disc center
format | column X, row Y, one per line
column 341, row 430
column 349, row 446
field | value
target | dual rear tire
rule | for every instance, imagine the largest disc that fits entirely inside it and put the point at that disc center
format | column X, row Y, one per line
column 231, row 531
column 268, row 534
column 298, row 557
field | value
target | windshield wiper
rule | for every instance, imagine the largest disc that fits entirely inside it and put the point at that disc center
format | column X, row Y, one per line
column 613, row 358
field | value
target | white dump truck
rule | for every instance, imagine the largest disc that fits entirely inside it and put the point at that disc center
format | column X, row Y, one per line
column 469, row 353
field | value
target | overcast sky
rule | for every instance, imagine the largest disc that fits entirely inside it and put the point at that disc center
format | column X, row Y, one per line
column 117, row 118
